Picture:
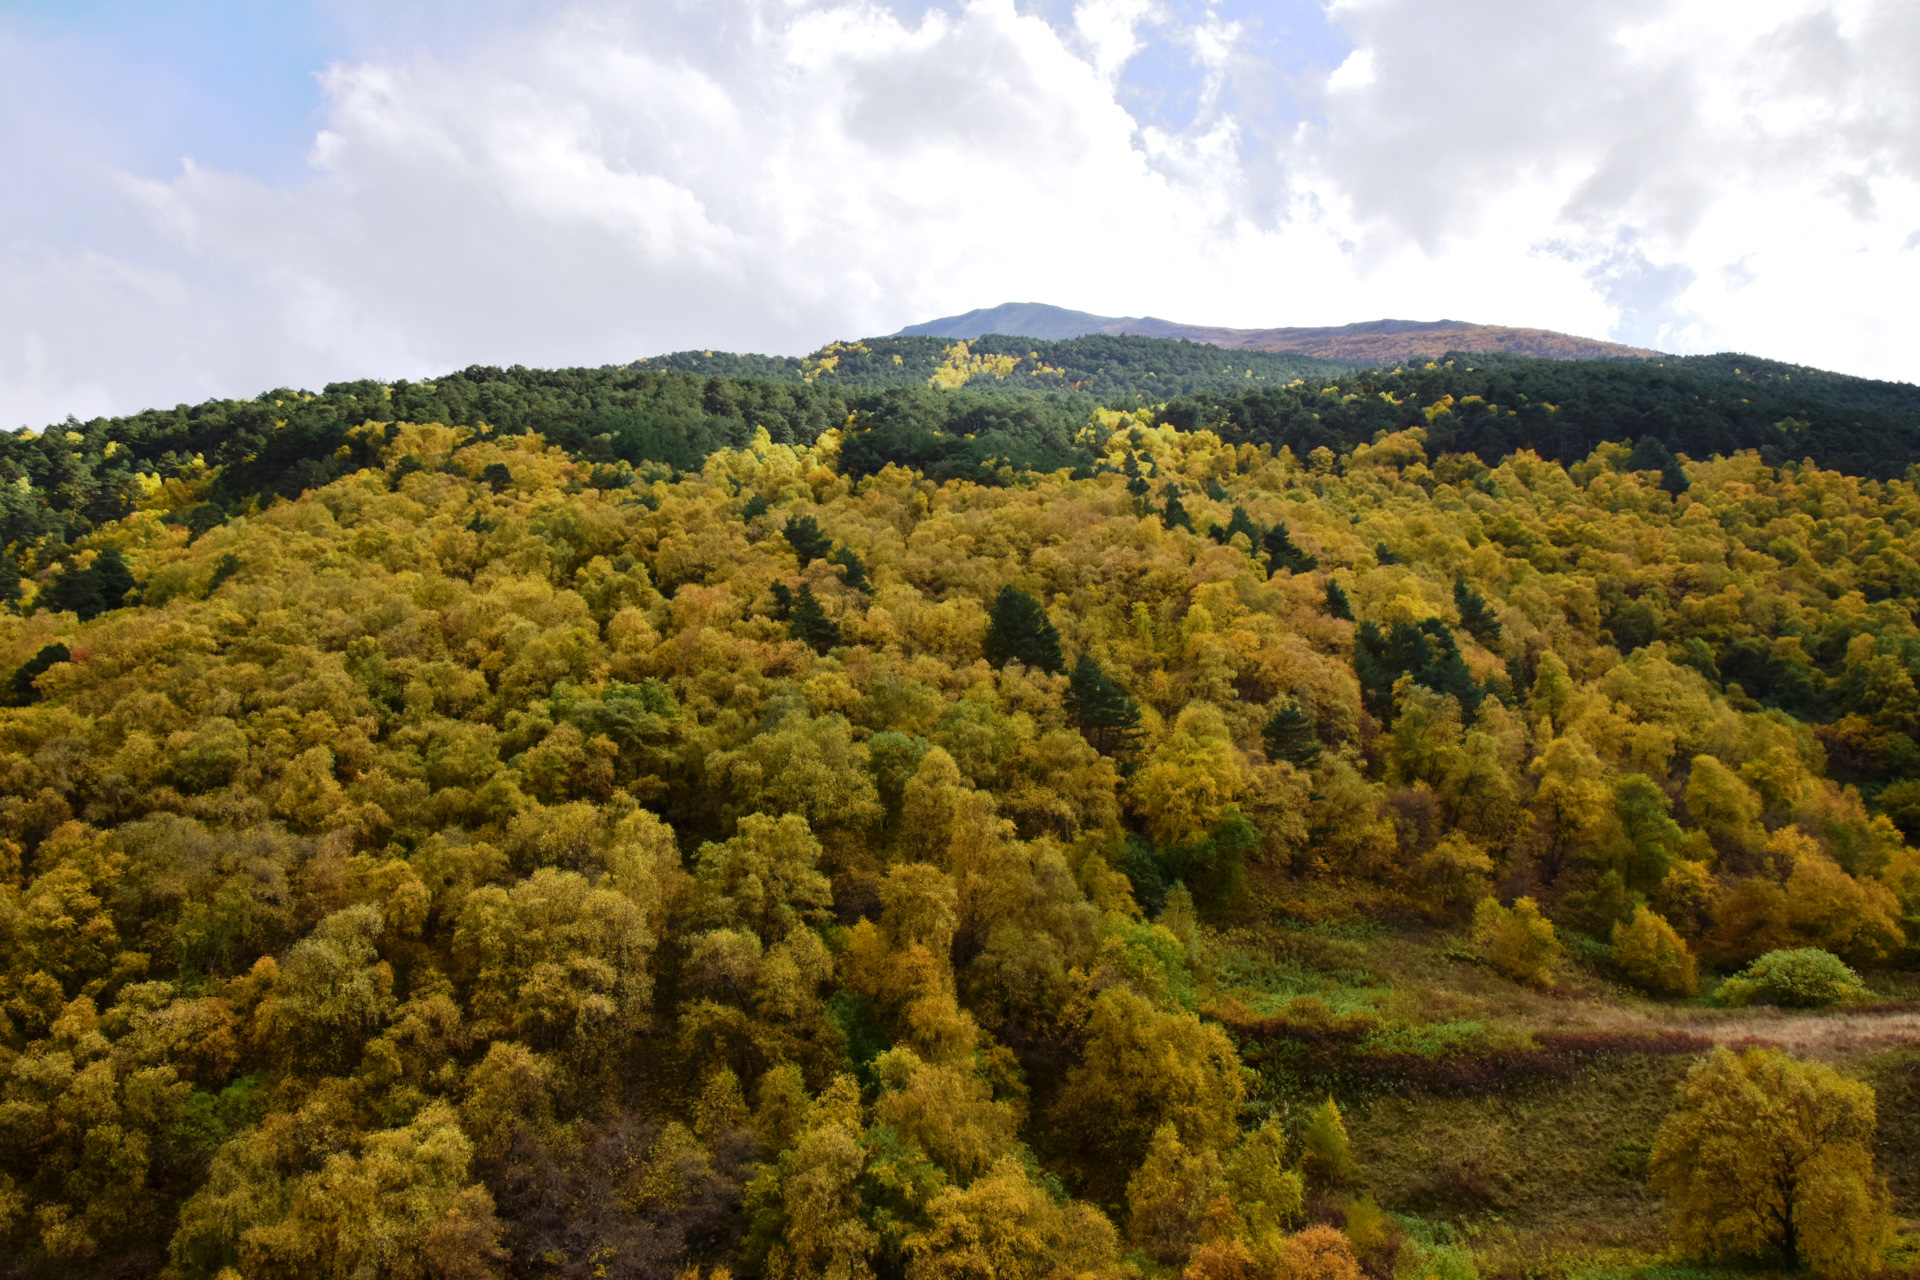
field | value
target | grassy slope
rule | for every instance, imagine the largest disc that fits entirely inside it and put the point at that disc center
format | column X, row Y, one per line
column 1540, row 1175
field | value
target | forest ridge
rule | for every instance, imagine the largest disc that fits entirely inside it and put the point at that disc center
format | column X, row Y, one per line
column 950, row 810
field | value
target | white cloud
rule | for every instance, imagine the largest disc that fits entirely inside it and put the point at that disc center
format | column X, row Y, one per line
column 619, row 180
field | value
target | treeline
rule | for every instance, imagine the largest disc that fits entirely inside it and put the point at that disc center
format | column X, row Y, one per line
column 1117, row 371
column 957, row 409
column 1493, row 406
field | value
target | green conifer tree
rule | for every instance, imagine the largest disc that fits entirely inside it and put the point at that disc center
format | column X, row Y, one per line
column 1284, row 553
column 1476, row 616
column 1101, row 707
column 1337, row 605
column 1018, row 630
column 855, row 569
column 1239, row 522
column 804, row 535
column 1289, row 736
column 811, row 624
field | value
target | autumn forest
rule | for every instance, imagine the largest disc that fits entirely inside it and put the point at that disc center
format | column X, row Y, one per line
column 936, row 811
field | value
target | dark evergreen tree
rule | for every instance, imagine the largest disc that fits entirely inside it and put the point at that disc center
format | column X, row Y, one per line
column 1284, row 553
column 203, row 516
column 1133, row 857
column 1240, row 522
column 92, row 591
column 20, row 688
column 855, row 568
column 782, row 601
column 809, row 542
column 1289, row 736
column 496, row 476
column 1175, row 515
column 1337, row 604
column 1215, row 489
column 1019, row 630
column 756, row 507
column 1476, row 616
column 1102, row 707
column 1136, row 483
column 1650, row 453
column 1384, row 554
column 9, row 577
column 811, row 624
column 1427, row 652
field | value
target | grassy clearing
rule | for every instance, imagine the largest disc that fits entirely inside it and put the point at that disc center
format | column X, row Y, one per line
column 1536, row 1175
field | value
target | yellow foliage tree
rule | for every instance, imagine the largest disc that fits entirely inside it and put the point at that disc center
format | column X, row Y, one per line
column 1652, row 956
column 1517, row 941
column 1168, row 1195
column 1192, row 776
column 1767, row 1159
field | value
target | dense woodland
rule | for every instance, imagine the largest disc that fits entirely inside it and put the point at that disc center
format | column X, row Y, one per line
column 922, row 832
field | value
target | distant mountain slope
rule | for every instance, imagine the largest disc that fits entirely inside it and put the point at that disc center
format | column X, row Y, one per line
column 1020, row 320
column 1377, row 342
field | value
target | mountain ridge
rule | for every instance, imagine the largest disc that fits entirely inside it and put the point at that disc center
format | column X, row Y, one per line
column 1369, row 341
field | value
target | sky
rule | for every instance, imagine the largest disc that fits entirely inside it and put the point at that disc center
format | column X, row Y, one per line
column 217, row 197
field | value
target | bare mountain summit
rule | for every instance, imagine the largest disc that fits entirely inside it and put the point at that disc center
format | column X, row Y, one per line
column 1372, row 342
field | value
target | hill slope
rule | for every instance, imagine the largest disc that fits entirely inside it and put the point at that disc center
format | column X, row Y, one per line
column 1374, row 342
column 495, row 862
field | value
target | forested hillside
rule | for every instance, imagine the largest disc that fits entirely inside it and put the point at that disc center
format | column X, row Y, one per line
column 635, row 823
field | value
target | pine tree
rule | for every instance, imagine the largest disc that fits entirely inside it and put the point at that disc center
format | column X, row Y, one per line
column 1476, row 617
column 1384, row 554
column 1175, row 516
column 782, row 601
column 1240, row 522
column 1337, row 605
column 1018, row 630
column 1102, row 707
column 1284, row 553
column 1650, row 453
column 1427, row 652
column 804, row 535
column 1289, row 736
column 1215, row 490
column 810, row 622
column 92, row 591
column 855, row 574
column 756, row 507
column 21, row 686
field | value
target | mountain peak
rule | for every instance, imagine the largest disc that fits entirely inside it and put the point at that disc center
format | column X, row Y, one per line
column 1371, row 341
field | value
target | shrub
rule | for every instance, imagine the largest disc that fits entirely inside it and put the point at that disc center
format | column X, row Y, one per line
column 1517, row 941
column 1652, row 956
column 1804, row 978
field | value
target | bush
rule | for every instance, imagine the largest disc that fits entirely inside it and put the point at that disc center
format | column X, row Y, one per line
column 1652, row 956
column 1517, row 941
column 1804, row 978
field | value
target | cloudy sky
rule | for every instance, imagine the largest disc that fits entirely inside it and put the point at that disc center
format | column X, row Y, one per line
column 214, row 197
